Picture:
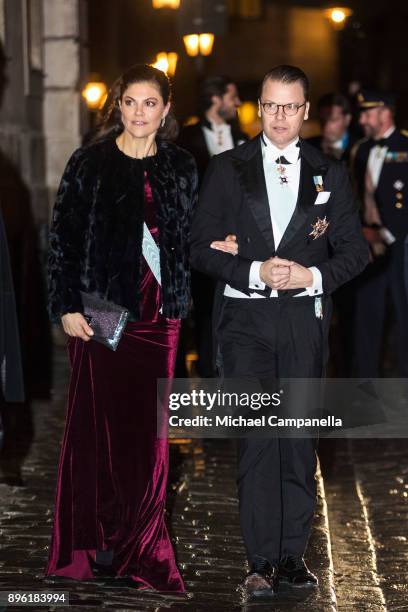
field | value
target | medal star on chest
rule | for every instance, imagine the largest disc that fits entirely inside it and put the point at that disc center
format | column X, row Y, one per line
column 319, row 228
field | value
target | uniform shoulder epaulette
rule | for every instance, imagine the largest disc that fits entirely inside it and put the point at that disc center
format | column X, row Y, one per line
column 404, row 133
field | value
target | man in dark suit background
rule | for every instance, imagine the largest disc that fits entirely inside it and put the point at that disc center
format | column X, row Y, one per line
column 299, row 237
column 216, row 131
column 336, row 139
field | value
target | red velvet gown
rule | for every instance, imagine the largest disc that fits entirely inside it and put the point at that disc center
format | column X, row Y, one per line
column 112, row 474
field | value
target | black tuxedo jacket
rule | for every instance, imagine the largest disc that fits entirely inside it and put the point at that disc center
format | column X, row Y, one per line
column 192, row 138
column 233, row 200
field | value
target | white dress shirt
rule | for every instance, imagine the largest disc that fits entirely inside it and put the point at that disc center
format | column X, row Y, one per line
column 374, row 167
column 376, row 159
column 219, row 138
column 282, row 202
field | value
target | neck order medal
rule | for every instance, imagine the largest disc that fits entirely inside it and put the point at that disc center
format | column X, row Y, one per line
column 283, row 179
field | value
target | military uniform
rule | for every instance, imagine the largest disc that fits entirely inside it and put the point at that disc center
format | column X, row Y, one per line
column 385, row 275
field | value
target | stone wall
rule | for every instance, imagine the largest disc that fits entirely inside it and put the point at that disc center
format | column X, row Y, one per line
column 21, row 127
column 42, row 117
column 65, row 67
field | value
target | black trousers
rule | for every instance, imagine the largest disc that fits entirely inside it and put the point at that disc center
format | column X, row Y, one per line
column 381, row 279
column 202, row 291
column 269, row 339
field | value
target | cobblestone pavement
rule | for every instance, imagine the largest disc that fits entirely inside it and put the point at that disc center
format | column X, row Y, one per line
column 367, row 496
column 358, row 547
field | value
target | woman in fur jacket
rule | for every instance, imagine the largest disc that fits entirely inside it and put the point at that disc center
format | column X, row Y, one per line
column 111, row 489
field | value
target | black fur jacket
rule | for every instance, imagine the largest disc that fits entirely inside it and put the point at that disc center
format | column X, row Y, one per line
column 95, row 242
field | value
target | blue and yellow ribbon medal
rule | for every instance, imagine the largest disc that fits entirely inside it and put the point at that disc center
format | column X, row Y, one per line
column 318, row 181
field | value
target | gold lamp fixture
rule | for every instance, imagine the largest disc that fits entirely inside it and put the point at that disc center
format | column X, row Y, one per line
column 166, row 62
column 338, row 15
column 199, row 44
column 171, row 4
column 95, row 94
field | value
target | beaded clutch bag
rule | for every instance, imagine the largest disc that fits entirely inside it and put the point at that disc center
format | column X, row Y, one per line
column 108, row 320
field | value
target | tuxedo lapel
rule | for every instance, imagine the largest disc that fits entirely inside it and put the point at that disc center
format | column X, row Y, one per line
column 201, row 146
column 305, row 199
column 252, row 181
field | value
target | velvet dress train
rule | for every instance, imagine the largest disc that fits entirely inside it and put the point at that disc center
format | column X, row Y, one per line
column 112, row 475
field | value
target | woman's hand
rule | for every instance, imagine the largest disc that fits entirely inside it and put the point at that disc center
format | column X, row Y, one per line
column 229, row 245
column 75, row 325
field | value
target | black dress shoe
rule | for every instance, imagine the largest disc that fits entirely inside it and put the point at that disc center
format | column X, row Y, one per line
column 293, row 570
column 260, row 582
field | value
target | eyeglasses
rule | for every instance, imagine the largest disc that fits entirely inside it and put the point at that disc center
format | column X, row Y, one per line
column 271, row 108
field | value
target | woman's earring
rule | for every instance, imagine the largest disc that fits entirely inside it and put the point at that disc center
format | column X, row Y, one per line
column 163, row 121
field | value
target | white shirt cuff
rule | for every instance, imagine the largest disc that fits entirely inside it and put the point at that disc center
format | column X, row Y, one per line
column 254, row 278
column 317, row 286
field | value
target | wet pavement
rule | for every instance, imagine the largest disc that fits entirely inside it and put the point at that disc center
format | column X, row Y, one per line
column 358, row 547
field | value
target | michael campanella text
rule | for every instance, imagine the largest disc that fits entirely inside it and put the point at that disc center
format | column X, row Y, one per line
column 262, row 421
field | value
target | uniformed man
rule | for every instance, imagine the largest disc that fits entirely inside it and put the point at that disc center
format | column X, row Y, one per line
column 380, row 168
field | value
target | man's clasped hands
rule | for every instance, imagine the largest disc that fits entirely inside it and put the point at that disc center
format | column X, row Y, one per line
column 276, row 273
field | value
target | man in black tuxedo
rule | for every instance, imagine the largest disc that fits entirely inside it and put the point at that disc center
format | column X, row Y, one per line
column 217, row 129
column 299, row 237
column 215, row 132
